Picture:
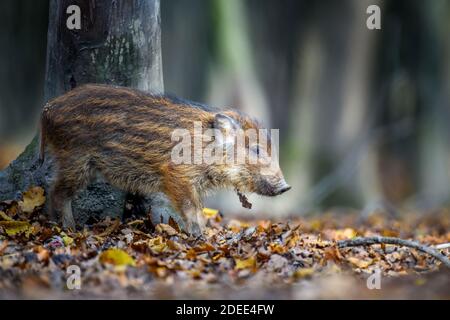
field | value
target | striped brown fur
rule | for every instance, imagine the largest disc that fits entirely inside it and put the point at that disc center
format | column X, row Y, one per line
column 125, row 135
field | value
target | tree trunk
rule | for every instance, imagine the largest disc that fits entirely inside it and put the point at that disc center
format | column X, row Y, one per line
column 119, row 43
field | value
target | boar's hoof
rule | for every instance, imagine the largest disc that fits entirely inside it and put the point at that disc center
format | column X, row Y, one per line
column 69, row 223
column 194, row 230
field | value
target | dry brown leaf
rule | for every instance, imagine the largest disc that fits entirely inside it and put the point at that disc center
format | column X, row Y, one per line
column 362, row 264
column 174, row 224
column 3, row 246
column 166, row 229
column 277, row 248
column 204, row 247
column 32, row 199
column 110, row 229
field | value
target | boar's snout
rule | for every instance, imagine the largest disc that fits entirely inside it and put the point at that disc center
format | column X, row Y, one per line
column 274, row 189
column 283, row 189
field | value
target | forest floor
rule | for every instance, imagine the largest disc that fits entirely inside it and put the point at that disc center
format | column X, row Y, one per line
column 236, row 259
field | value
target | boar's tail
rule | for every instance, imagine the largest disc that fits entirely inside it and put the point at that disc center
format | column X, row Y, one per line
column 43, row 135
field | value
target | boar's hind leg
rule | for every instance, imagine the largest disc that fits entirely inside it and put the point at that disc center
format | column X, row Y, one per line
column 68, row 182
column 61, row 203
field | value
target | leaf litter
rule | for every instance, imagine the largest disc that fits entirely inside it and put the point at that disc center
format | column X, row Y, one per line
column 236, row 258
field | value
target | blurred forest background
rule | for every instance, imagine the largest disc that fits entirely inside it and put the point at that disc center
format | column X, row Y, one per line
column 363, row 114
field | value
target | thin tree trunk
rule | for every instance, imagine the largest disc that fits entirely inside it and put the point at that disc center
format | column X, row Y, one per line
column 119, row 43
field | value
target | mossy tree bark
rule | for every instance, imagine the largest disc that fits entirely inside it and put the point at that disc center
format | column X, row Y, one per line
column 119, row 43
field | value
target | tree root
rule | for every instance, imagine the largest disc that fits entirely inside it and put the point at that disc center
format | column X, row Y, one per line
column 360, row 241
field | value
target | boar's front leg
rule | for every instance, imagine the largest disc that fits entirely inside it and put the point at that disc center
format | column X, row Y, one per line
column 185, row 200
column 193, row 219
column 190, row 210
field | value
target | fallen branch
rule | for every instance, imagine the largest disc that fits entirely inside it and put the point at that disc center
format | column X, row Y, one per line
column 389, row 240
column 442, row 246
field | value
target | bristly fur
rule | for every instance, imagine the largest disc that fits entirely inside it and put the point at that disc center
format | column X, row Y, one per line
column 125, row 135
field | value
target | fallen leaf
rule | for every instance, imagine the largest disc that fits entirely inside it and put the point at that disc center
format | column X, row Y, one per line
column 191, row 254
column 236, row 225
column 13, row 228
column 42, row 254
column 277, row 262
column 210, row 213
column 264, row 225
column 66, row 239
column 167, row 229
column 420, row 281
column 173, row 245
column 3, row 246
column 303, row 272
column 110, row 229
column 5, row 217
column 332, row 253
column 116, row 257
column 277, row 248
column 174, row 224
column 32, row 199
column 362, row 264
column 245, row 263
column 157, row 244
column 343, row 234
column 204, row 247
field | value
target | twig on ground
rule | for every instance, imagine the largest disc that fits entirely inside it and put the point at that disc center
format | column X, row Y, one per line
column 360, row 241
column 442, row 246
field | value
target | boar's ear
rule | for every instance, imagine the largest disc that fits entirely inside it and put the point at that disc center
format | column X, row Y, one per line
column 225, row 123
column 227, row 126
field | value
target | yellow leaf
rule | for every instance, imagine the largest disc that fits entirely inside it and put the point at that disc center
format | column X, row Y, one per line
column 157, row 244
column 245, row 263
column 66, row 239
column 4, row 216
column 303, row 272
column 117, row 257
column 217, row 256
column 346, row 233
column 420, row 282
column 15, row 227
column 210, row 213
column 236, row 225
column 316, row 224
column 32, row 199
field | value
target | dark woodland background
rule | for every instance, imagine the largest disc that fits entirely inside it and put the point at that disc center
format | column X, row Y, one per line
column 363, row 115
